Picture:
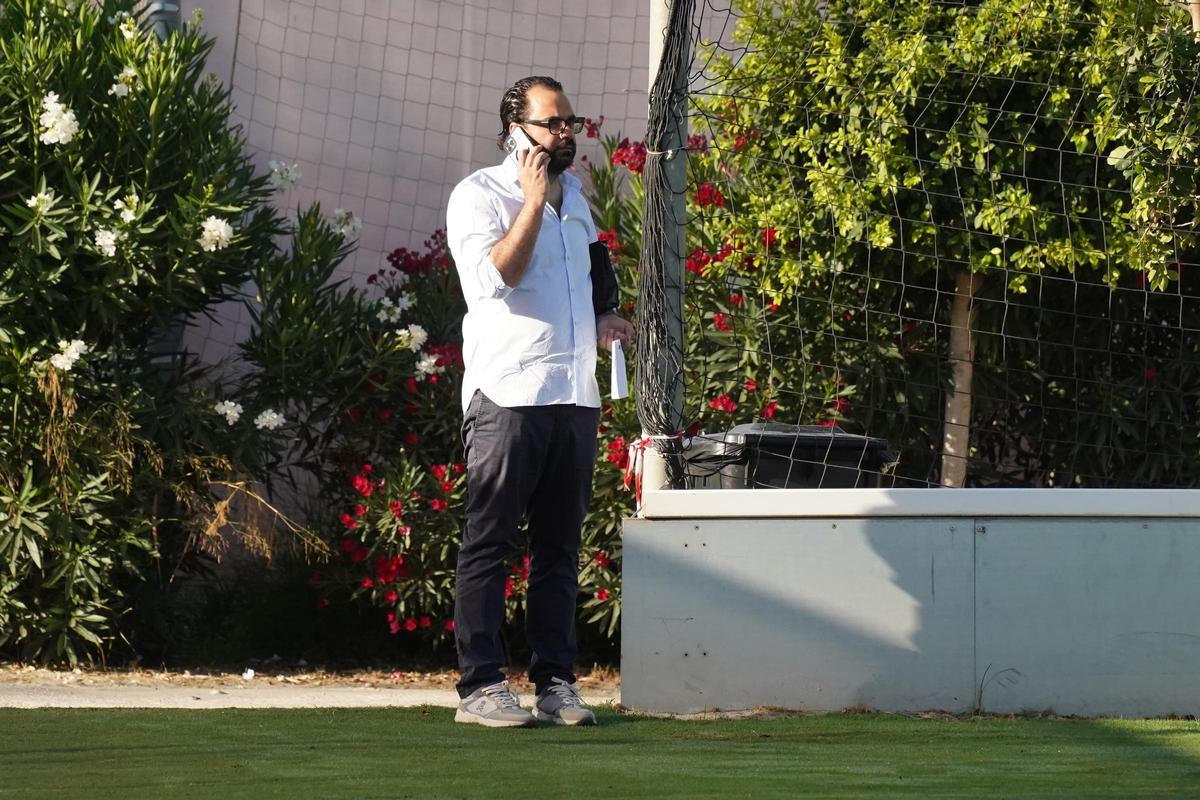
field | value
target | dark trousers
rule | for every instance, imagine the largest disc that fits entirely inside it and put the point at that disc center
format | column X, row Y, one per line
column 531, row 463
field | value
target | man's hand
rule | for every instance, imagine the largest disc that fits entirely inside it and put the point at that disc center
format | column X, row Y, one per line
column 533, row 176
column 609, row 328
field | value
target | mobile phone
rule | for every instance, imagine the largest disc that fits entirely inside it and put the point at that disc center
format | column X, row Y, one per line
column 517, row 140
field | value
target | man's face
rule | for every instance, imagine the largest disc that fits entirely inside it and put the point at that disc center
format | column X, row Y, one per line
column 545, row 103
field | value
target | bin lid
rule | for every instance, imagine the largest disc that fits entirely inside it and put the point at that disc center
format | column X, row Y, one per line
column 779, row 432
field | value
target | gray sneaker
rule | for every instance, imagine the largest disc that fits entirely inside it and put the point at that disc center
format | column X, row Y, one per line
column 495, row 706
column 562, row 705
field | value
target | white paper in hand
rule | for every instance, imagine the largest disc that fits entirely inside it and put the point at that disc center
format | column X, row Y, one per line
column 620, row 385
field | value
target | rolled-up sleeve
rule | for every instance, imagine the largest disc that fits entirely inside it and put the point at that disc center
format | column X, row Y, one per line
column 472, row 229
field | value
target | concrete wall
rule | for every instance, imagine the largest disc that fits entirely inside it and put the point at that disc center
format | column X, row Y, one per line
column 386, row 104
column 1080, row 616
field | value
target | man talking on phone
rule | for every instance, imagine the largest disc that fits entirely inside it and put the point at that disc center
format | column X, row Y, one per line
column 519, row 233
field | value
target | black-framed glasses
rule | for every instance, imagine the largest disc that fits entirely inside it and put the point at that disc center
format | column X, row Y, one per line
column 558, row 125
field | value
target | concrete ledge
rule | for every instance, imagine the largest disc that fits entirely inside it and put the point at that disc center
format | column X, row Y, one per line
column 1087, row 616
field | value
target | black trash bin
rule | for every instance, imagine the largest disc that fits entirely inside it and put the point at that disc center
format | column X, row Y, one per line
column 765, row 455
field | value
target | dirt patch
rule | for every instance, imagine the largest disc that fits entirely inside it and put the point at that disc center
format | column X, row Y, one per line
column 277, row 673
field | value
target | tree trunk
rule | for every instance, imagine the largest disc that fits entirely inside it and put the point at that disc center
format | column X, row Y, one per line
column 1194, row 10
column 956, row 435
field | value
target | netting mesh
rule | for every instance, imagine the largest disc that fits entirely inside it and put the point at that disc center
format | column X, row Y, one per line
column 965, row 228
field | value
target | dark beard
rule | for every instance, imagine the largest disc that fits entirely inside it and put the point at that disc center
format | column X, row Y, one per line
column 560, row 160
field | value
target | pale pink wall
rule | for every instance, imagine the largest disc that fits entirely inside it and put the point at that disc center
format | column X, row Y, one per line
column 386, row 105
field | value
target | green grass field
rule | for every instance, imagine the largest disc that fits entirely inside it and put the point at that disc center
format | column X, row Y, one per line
column 404, row 753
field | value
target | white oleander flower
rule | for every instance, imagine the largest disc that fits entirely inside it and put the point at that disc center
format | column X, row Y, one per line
column 391, row 311
column 126, row 81
column 230, row 410
column 217, row 234
column 269, row 420
column 58, row 122
column 129, row 27
column 418, row 337
column 106, row 241
column 69, row 353
column 127, row 208
column 42, row 201
column 118, row 17
column 284, row 176
column 346, row 224
column 428, row 365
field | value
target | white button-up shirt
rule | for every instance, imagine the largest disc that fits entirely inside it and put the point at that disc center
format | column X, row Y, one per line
column 533, row 344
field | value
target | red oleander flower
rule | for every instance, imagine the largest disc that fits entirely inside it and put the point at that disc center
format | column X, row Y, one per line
column 721, row 322
column 602, row 595
column 697, row 143
column 751, row 385
column 359, row 554
column 359, row 510
column 618, row 453
column 439, row 471
column 349, row 521
column 448, row 625
column 723, row 403
column 424, row 622
column 347, row 545
column 367, row 583
column 839, row 405
column 630, row 155
column 602, row 560
column 768, row 237
column 1151, row 374
column 384, row 414
column 448, row 486
column 460, row 468
column 363, row 485
column 593, row 126
column 697, row 261
column 768, row 411
column 322, row 603
column 397, row 508
column 388, row 568
column 610, row 240
column 437, row 505
column 411, row 439
column 410, row 624
column 773, row 307
column 709, row 195
column 410, row 385
column 367, row 469
column 827, row 423
column 390, row 597
column 736, row 300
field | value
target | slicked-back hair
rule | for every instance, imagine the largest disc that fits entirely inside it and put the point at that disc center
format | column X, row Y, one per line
column 515, row 103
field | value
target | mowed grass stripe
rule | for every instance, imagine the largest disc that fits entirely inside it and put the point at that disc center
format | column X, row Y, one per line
column 411, row 753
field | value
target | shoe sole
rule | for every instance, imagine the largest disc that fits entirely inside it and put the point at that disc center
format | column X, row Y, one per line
column 475, row 719
column 557, row 720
